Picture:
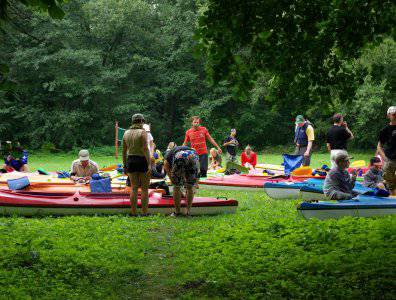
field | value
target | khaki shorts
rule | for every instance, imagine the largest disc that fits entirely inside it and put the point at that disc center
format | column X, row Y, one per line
column 389, row 175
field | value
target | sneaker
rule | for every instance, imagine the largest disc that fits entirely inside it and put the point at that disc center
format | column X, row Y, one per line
column 174, row 214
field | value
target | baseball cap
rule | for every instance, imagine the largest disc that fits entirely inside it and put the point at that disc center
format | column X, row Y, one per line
column 137, row 117
column 391, row 110
column 299, row 119
column 83, row 155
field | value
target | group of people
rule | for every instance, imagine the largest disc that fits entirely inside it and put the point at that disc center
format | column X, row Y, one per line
column 339, row 184
column 185, row 164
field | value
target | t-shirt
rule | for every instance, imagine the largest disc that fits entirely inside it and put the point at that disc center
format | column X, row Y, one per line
column 310, row 133
column 197, row 139
column 231, row 148
column 171, row 154
column 387, row 138
column 372, row 178
column 337, row 137
column 252, row 159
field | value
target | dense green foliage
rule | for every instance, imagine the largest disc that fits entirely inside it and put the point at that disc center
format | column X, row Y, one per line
column 70, row 79
column 264, row 251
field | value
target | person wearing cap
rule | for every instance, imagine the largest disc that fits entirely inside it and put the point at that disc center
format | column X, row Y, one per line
column 231, row 144
column 337, row 137
column 387, row 150
column 83, row 168
column 303, row 138
column 338, row 184
column 137, row 163
column 197, row 136
column 373, row 177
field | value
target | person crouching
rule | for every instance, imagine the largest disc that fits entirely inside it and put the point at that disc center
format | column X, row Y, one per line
column 338, row 184
column 182, row 166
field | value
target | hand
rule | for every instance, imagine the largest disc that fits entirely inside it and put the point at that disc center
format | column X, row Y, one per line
column 306, row 153
column 219, row 151
column 354, row 173
column 345, row 124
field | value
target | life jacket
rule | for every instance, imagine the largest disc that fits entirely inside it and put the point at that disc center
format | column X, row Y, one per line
column 300, row 136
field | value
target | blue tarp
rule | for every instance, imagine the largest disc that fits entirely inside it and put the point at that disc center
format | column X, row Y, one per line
column 18, row 184
column 292, row 162
column 100, row 186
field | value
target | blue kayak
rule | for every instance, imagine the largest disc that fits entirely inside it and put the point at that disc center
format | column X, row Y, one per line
column 289, row 190
column 311, row 193
column 361, row 206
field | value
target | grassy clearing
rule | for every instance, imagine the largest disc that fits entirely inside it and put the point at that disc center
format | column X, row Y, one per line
column 264, row 251
column 62, row 161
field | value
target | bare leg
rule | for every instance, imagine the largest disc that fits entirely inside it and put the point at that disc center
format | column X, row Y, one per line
column 176, row 198
column 134, row 192
column 190, row 197
column 145, row 180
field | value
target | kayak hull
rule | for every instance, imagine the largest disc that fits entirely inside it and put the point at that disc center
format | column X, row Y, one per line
column 361, row 206
column 25, row 204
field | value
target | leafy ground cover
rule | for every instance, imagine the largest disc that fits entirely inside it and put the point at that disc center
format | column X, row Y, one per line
column 266, row 250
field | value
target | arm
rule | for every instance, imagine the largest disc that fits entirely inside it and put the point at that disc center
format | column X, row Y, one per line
column 124, row 152
column 380, row 151
column 351, row 136
column 146, row 150
column 166, row 167
column 254, row 160
column 186, row 139
column 214, row 143
column 328, row 147
column 309, row 147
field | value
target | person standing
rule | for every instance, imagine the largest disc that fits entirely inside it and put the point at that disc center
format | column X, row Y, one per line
column 197, row 136
column 303, row 139
column 387, row 150
column 337, row 137
column 137, row 163
column 182, row 166
column 231, row 144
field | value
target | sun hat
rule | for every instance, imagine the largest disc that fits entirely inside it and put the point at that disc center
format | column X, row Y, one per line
column 300, row 119
column 83, row 155
column 137, row 117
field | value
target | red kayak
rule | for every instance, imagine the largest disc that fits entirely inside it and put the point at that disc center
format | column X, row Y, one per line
column 36, row 203
column 247, row 182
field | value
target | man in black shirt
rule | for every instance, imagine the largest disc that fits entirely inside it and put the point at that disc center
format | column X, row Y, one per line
column 337, row 137
column 387, row 150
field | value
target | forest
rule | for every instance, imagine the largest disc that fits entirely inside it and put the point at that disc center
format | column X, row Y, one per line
column 69, row 79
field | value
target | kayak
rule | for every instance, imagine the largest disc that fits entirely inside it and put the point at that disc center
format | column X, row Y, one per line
column 289, row 190
column 30, row 204
column 361, row 206
column 246, row 182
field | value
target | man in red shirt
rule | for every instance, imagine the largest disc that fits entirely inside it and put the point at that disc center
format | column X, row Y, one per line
column 197, row 136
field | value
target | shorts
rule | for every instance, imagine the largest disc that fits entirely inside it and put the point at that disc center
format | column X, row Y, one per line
column 389, row 174
column 136, row 163
column 185, row 168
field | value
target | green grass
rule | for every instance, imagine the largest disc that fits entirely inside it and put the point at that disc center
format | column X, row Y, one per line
column 264, row 251
column 62, row 161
